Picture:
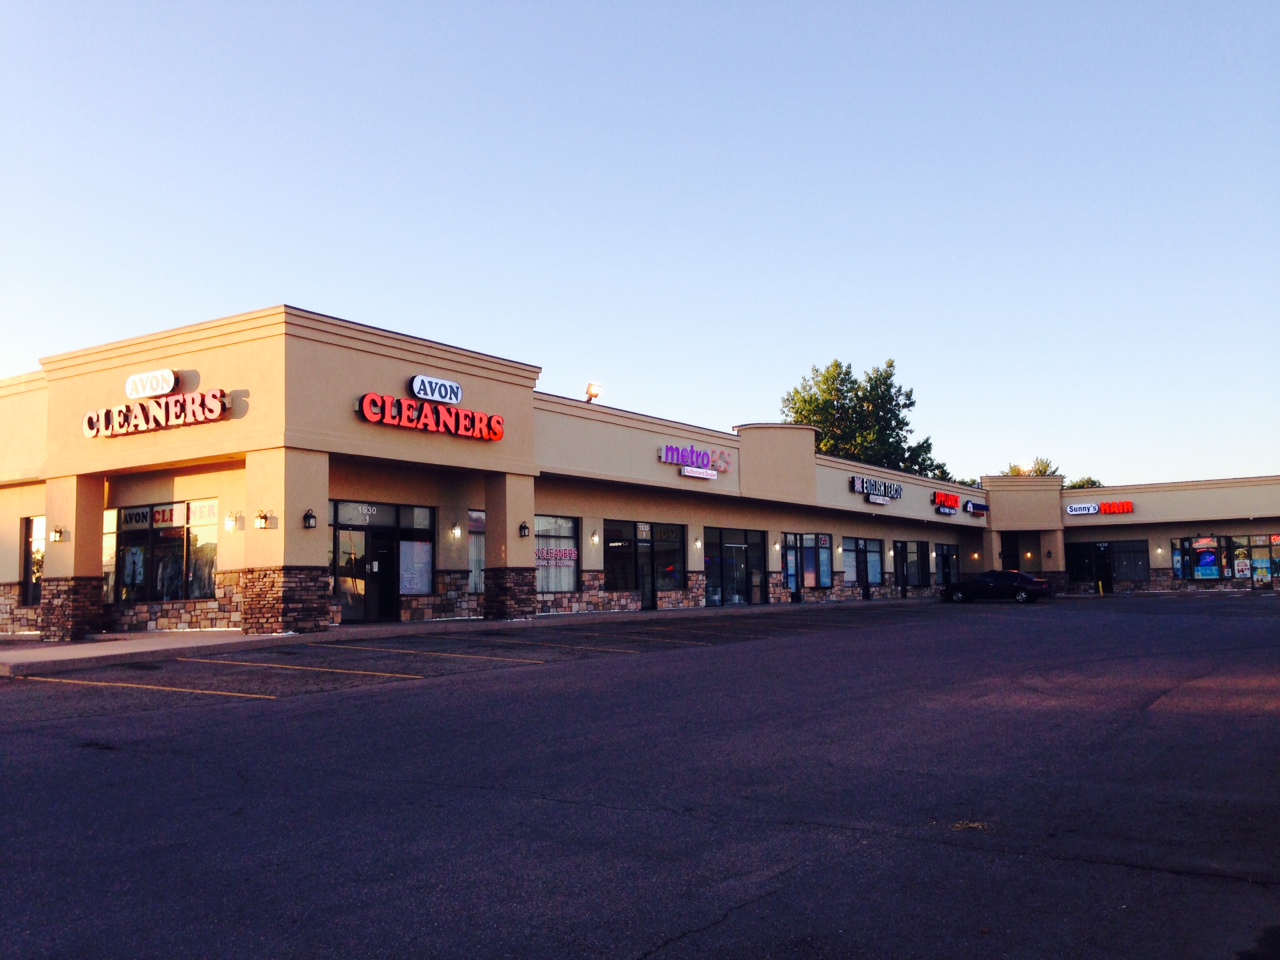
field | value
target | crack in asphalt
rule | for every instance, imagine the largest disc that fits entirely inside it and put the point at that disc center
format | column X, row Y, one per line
column 671, row 941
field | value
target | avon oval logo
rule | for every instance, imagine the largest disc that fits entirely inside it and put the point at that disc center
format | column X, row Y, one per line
column 157, row 383
column 440, row 391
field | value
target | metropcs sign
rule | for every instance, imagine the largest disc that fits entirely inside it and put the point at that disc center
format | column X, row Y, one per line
column 703, row 464
column 156, row 405
column 1115, row 506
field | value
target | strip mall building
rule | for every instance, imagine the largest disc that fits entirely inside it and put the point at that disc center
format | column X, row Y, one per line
column 284, row 470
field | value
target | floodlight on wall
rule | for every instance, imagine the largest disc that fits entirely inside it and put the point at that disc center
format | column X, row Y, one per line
column 524, row 529
column 456, row 531
column 260, row 521
column 58, row 534
column 309, row 520
column 593, row 392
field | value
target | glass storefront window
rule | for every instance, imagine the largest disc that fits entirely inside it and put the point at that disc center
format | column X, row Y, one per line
column 556, row 554
column 619, row 555
column 1204, row 557
column 947, row 563
column 734, row 563
column 349, row 573
column 415, row 567
column 475, row 551
column 668, row 556
column 816, row 559
column 160, row 553
column 32, row 560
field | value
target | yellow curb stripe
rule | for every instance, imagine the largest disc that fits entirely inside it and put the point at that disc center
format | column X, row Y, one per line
column 147, row 686
column 563, row 646
column 289, row 666
column 423, row 653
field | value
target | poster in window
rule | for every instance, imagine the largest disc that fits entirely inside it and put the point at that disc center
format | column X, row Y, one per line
column 1242, row 568
column 415, row 567
column 135, row 566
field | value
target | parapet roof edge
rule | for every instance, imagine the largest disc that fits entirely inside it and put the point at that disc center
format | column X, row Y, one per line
column 603, row 412
column 258, row 322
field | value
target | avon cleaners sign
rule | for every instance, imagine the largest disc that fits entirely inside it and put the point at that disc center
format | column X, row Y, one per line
column 410, row 414
column 155, row 406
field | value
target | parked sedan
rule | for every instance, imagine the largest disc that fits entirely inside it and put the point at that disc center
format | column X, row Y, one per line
column 999, row 585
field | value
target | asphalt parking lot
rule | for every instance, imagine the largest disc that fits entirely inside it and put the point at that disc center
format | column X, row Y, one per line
column 1069, row 779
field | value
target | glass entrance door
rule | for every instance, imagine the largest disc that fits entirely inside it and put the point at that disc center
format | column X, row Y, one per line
column 349, row 574
column 736, row 581
column 644, row 573
column 791, row 565
column 382, row 578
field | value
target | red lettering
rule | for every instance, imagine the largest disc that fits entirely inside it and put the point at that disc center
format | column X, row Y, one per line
column 408, row 414
column 90, row 424
column 448, row 419
column 175, row 409
column 496, row 428
column 427, row 420
column 466, row 420
column 156, row 411
column 371, row 407
column 195, row 408
column 389, row 415
column 481, row 431
column 215, row 404
column 120, row 418
column 137, row 418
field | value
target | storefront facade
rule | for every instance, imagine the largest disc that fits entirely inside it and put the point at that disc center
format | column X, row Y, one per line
column 1203, row 535
column 285, row 470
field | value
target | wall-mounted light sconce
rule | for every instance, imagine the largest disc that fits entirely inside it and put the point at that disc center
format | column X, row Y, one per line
column 697, row 543
column 1049, row 554
column 524, row 529
column 230, row 523
column 777, row 547
column 456, row 531
column 1159, row 549
column 593, row 392
column 840, row 548
column 595, row 538
column 309, row 520
column 58, row 534
column 976, row 556
column 260, row 521
column 1028, row 554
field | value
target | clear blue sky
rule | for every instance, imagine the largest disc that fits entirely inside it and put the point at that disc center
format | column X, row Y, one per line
column 1061, row 220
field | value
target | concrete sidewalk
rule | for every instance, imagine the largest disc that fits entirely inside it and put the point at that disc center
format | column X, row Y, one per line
column 107, row 649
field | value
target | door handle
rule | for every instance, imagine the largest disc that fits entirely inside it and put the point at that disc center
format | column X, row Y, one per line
column 373, row 566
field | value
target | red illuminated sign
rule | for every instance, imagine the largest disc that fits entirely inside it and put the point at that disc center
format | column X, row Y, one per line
column 1116, row 506
column 411, row 414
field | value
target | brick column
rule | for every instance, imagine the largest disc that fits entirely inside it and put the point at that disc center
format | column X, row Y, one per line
column 284, row 599
column 510, row 593
column 70, row 607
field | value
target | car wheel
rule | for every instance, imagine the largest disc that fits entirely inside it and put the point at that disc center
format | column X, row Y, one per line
column 958, row 596
column 1022, row 596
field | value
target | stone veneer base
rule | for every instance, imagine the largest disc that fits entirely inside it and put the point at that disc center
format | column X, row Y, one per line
column 70, row 607
column 510, row 593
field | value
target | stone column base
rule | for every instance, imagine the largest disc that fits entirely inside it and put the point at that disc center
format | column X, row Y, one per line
column 284, row 599
column 510, row 593
column 70, row 607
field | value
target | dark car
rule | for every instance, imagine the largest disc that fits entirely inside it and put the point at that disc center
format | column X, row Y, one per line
column 999, row 585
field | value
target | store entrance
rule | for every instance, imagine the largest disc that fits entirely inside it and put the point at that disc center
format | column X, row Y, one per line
column 1102, row 566
column 900, row 567
column 861, row 568
column 382, row 578
column 791, row 565
column 644, row 572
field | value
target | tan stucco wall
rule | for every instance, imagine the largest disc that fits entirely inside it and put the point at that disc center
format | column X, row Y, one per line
column 1196, row 502
column 1024, row 503
column 16, row 504
column 602, row 443
column 24, row 413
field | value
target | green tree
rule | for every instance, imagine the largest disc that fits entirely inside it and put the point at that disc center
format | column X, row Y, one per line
column 1084, row 483
column 1040, row 467
column 862, row 419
